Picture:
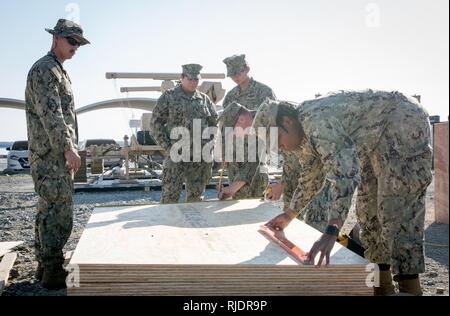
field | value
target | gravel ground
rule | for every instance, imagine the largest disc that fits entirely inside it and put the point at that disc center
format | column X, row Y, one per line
column 18, row 207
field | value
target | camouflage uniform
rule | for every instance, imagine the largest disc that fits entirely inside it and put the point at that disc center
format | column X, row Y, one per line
column 380, row 143
column 250, row 99
column 52, row 130
column 176, row 108
column 255, row 93
column 315, row 214
column 254, row 173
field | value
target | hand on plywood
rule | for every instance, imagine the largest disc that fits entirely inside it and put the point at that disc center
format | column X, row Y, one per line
column 324, row 245
column 274, row 191
column 230, row 191
column 281, row 221
column 225, row 193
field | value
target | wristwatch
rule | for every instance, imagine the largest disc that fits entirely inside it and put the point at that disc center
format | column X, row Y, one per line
column 332, row 230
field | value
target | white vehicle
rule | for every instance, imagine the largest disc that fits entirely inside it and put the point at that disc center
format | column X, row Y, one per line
column 17, row 158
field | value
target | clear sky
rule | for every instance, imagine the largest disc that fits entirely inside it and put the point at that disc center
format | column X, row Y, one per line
column 297, row 47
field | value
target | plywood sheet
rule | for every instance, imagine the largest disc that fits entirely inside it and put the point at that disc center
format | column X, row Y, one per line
column 210, row 233
column 209, row 248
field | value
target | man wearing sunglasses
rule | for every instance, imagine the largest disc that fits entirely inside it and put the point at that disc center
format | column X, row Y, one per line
column 53, row 138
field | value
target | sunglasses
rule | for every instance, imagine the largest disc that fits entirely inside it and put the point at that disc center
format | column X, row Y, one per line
column 73, row 41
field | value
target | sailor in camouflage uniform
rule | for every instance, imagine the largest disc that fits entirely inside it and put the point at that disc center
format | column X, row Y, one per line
column 248, row 96
column 53, row 138
column 248, row 92
column 376, row 141
column 247, row 179
column 178, row 107
column 251, row 94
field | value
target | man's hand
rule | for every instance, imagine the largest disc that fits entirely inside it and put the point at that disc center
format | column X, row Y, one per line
column 281, row 221
column 275, row 193
column 73, row 161
column 324, row 245
column 231, row 190
column 226, row 193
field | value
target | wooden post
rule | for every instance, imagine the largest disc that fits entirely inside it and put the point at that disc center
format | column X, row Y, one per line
column 126, row 154
column 441, row 172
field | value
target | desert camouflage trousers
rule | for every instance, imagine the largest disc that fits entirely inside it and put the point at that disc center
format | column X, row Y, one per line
column 54, row 219
column 195, row 175
column 391, row 210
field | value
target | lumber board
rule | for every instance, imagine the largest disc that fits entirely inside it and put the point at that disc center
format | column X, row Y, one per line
column 7, row 246
column 6, row 265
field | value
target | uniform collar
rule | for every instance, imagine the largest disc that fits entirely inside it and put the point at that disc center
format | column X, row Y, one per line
column 183, row 94
column 52, row 54
column 250, row 86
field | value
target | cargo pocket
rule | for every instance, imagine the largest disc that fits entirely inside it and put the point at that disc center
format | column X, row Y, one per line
column 420, row 172
column 404, row 175
column 55, row 189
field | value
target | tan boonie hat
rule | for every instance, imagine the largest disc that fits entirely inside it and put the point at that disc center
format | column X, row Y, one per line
column 235, row 64
column 66, row 28
column 192, row 71
column 230, row 114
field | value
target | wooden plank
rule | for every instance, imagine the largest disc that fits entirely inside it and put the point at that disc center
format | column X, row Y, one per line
column 441, row 188
column 5, row 267
column 7, row 246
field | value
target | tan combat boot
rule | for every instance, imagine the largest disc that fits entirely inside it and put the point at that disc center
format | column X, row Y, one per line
column 386, row 287
column 411, row 287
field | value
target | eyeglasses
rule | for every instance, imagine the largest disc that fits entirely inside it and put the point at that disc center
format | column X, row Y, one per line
column 73, row 41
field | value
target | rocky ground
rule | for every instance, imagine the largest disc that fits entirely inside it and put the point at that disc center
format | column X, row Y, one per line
column 18, row 207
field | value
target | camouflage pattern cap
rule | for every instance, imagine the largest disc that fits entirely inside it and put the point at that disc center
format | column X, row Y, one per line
column 230, row 114
column 66, row 28
column 266, row 116
column 235, row 64
column 192, row 71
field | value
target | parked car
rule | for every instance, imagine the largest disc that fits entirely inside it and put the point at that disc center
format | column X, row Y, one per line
column 17, row 158
column 110, row 148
